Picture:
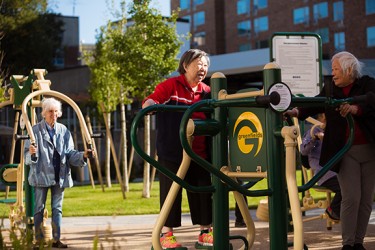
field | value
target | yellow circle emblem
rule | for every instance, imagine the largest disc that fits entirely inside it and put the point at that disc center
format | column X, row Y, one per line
column 249, row 134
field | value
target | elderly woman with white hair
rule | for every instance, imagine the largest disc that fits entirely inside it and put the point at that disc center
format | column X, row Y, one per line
column 356, row 170
column 50, row 169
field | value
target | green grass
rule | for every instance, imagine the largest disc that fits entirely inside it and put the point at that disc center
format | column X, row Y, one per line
column 87, row 201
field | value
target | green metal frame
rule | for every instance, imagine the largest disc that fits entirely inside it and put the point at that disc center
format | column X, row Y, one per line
column 222, row 184
column 2, row 169
column 20, row 94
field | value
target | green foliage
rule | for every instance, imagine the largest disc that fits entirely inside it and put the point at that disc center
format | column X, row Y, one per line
column 131, row 58
column 32, row 45
column 2, row 72
column 30, row 37
column 15, row 13
column 21, row 238
column 105, row 83
column 151, row 45
column 2, row 98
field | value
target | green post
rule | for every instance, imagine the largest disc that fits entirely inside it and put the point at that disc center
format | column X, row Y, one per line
column 219, row 159
column 29, row 195
column 20, row 93
column 278, row 213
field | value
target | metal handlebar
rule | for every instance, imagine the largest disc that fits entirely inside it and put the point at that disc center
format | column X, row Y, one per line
column 153, row 162
column 205, row 105
column 205, row 164
column 59, row 95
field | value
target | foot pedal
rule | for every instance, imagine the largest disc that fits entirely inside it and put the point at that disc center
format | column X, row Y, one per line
column 199, row 246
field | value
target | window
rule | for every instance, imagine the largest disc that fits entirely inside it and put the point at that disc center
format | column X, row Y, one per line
column 371, row 36
column 338, row 11
column 339, row 41
column 320, row 10
column 324, row 34
column 301, row 15
column 59, row 61
column 199, row 18
column 260, row 24
column 245, row 47
column 199, row 39
column 370, row 7
column 244, row 28
column 243, row 7
column 260, row 4
column 197, row 2
column 184, row 4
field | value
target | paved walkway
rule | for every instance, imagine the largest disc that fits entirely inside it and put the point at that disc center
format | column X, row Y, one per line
column 134, row 232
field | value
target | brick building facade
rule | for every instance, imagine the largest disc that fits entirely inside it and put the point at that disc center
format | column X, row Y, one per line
column 221, row 27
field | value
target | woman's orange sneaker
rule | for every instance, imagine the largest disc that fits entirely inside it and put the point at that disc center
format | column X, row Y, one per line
column 168, row 240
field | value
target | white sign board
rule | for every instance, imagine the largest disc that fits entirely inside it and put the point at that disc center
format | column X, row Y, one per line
column 298, row 58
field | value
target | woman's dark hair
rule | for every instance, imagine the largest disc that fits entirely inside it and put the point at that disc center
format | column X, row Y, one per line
column 189, row 56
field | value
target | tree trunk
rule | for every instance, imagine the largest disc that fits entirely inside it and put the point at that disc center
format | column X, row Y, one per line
column 96, row 159
column 107, row 117
column 124, row 149
column 88, row 161
column 147, row 150
column 131, row 161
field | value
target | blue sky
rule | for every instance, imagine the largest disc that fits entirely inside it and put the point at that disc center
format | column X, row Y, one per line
column 95, row 13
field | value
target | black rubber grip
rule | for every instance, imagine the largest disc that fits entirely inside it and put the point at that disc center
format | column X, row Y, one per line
column 273, row 98
column 21, row 137
column 33, row 156
column 98, row 135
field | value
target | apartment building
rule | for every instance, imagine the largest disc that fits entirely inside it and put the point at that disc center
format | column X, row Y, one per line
column 222, row 26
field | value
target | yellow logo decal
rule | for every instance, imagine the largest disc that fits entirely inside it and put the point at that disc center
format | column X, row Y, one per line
column 250, row 133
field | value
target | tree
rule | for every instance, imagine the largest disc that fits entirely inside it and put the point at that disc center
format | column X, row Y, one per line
column 2, row 76
column 31, row 36
column 149, row 46
column 106, row 89
column 15, row 13
column 105, row 85
column 140, row 53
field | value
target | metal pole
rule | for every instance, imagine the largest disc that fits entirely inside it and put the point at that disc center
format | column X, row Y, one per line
column 276, row 172
column 219, row 159
column 29, row 190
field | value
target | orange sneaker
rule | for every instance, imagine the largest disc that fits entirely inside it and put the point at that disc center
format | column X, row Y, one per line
column 168, row 240
column 206, row 238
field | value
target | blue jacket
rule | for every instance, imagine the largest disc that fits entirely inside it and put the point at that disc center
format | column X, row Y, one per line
column 42, row 173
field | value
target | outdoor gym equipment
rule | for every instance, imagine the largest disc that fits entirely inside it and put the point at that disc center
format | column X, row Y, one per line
column 14, row 174
column 256, row 132
column 249, row 122
column 25, row 98
column 278, row 215
column 215, row 128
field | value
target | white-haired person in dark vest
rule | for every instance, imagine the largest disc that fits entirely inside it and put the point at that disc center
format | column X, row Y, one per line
column 356, row 170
